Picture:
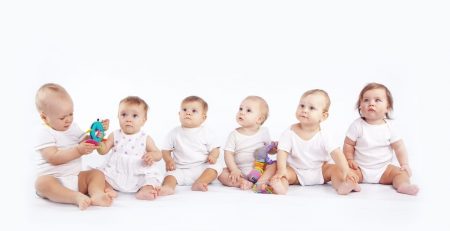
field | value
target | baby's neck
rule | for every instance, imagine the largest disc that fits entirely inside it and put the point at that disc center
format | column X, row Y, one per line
column 248, row 130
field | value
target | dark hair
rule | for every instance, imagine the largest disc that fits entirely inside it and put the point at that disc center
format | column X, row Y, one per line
column 372, row 86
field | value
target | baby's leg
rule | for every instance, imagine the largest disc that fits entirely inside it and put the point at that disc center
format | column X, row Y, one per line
column 92, row 182
column 168, row 186
column 49, row 187
column 263, row 181
column 225, row 179
column 201, row 184
column 342, row 185
column 399, row 180
column 281, row 186
column 147, row 192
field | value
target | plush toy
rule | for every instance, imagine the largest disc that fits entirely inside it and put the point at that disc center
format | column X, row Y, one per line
column 261, row 160
column 96, row 133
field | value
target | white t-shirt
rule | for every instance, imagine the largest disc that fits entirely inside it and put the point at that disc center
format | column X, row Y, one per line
column 47, row 137
column 307, row 154
column 373, row 142
column 244, row 146
column 190, row 146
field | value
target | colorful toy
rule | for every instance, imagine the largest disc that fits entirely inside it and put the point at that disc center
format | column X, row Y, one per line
column 96, row 133
column 261, row 160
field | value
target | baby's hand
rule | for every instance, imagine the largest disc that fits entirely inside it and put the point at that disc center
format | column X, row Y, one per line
column 280, row 174
column 105, row 124
column 86, row 148
column 405, row 167
column 352, row 164
column 235, row 176
column 212, row 158
column 170, row 165
column 148, row 159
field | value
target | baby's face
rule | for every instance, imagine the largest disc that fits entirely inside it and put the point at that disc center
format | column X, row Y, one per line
column 249, row 114
column 374, row 105
column 131, row 117
column 311, row 109
column 58, row 113
column 192, row 114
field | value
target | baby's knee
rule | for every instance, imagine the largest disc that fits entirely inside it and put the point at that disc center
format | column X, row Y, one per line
column 43, row 184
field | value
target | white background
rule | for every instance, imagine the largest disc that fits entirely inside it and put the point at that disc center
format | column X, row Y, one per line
column 163, row 51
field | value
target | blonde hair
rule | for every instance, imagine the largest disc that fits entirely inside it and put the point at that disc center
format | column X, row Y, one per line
column 47, row 91
column 321, row 92
column 135, row 100
column 372, row 86
column 194, row 98
column 263, row 106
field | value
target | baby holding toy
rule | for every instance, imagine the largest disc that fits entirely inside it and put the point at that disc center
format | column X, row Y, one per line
column 244, row 141
column 60, row 144
column 305, row 149
column 190, row 151
column 129, row 167
column 372, row 140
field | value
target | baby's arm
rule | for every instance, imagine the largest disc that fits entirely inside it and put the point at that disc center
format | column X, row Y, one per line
column 402, row 155
column 349, row 152
column 170, row 163
column 153, row 153
column 56, row 156
column 343, row 165
column 281, row 165
column 105, row 146
column 235, row 172
column 213, row 155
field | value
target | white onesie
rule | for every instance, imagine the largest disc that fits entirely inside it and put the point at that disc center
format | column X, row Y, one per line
column 373, row 151
column 124, row 168
column 190, row 149
column 306, row 157
column 66, row 173
column 244, row 147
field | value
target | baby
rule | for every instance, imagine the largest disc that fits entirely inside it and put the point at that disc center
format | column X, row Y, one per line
column 190, row 150
column 129, row 165
column 60, row 144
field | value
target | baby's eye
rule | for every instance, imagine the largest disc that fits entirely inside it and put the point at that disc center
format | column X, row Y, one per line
column 184, row 109
column 194, row 110
column 135, row 116
column 123, row 114
column 240, row 109
column 365, row 100
column 312, row 108
column 62, row 118
column 378, row 100
column 301, row 105
column 249, row 110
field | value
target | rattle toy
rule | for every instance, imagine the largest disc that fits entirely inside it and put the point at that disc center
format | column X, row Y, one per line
column 96, row 133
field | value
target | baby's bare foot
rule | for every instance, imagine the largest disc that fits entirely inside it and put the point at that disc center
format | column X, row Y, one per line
column 101, row 199
column 409, row 189
column 111, row 192
column 279, row 187
column 198, row 186
column 347, row 187
column 165, row 191
column 245, row 185
column 147, row 194
column 82, row 201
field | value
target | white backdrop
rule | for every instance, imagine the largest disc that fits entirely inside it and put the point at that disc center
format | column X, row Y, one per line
column 163, row 51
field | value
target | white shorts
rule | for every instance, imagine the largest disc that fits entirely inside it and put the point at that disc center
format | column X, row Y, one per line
column 70, row 182
column 187, row 176
column 372, row 175
column 309, row 176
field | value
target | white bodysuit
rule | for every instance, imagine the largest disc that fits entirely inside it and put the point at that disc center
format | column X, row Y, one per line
column 244, row 147
column 307, row 157
column 66, row 173
column 190, row 149
column 373, row 151
column 124, row 168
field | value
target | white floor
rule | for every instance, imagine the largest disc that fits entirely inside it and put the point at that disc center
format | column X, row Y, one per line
column 376, row 207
